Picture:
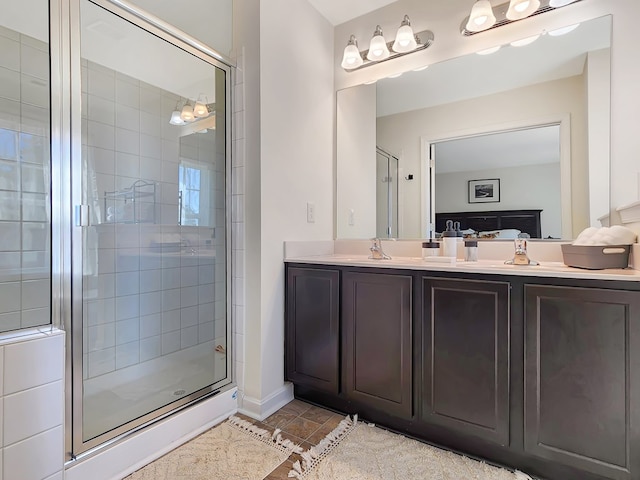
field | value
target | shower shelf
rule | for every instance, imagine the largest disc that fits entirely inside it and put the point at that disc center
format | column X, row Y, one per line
column 134, row 204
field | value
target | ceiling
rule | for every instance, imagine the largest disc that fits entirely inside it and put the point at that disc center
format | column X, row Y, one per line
column 340, row 11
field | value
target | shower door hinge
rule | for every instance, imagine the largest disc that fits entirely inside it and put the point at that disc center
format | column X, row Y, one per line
column 82, row 215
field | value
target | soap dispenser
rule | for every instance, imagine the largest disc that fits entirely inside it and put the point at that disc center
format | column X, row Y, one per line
column 449, row 241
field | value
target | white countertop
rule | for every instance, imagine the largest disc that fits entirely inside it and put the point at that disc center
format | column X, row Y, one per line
column 545, row 269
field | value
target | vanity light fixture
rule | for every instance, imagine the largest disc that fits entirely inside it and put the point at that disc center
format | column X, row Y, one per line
column 187, row 113
column 405, row 38
column 406, row 41
column 200, row 107
column 519, row 9
column 351, row 58
column 378, row 49
column 175, row 116
column 480, row 19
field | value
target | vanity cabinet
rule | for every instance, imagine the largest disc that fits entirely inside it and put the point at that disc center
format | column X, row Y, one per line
column 582, row 388
column 541, row 374
column 376, row 341
column 313, row 323
column 465, row 357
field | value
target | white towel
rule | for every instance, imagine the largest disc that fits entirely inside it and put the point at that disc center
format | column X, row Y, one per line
column 615, row 235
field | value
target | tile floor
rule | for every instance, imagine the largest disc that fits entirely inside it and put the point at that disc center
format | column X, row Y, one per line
column 303, row 424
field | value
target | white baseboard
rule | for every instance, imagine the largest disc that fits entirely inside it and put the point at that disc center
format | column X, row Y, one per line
column 261, row 409
column 126, row 457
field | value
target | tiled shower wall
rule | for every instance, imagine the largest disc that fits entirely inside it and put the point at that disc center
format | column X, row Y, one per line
column 24, row 181
column 151, row 288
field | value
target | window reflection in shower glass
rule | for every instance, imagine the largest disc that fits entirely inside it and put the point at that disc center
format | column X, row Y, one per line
column 25, row 201
column 154, row 256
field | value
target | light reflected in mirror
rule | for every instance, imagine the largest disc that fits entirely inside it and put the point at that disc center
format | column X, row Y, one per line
column 563, row 81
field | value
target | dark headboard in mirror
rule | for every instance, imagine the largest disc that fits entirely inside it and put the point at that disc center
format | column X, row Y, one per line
column 527, row 221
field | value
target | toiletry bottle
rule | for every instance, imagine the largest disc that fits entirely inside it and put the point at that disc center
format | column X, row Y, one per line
column 471, row 250
column 449, row 241
column 430, row 248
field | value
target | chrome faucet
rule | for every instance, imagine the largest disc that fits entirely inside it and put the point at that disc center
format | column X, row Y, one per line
column 520, row 256
column 376, row 250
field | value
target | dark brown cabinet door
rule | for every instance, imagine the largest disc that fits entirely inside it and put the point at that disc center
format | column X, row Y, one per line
column 582, row 367
column 465, row 365
column 312, row 328
column 376, row 347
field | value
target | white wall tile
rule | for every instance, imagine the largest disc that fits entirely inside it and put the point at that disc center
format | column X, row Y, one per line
column 205, row 312
column 150, row 348
column 9, row 53
column 150, row 281
column 206, row 332
column 35, row 120
column 127, row 307
column 101, row 110
column 101, row 362
column 127, row 283
column 34, row 62
column 170, row 342
column 127, row 117
column 100, row 336
column 127, row 165
column 150, row 325
column 151, row 147
column 33, row 411
column 188, row 317
column 33, row 362
column 127, row 141
column 150, row 102
column 127, row 93
column 150, row 124
column 189, row 337
column 101, row 84
column 9, row 84
column 32, row 296
column 127, row 331
column 127, row 354
column 100, row 135
column 171, row 299
column 19, row 458
column 34, row 91
column 170, row 321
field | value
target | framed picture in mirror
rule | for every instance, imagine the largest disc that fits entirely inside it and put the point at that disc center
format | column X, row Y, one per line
column 484, row 191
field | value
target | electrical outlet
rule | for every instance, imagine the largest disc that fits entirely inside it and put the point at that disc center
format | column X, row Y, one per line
column 311, row 212
column 352, row 217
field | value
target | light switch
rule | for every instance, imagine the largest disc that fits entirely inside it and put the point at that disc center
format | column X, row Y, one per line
column 311, row 212
column 352, row 217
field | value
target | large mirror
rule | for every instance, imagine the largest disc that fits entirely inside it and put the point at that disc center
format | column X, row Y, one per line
column 518, row 140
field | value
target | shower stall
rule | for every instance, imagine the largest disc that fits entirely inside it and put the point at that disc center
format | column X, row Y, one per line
column 149, row 186
column 386, row 194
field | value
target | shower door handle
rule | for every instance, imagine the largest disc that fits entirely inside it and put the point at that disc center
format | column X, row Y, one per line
column 82, row 215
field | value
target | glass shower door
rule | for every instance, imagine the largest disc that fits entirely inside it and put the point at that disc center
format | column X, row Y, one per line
column 386, row 194
column 151, row 221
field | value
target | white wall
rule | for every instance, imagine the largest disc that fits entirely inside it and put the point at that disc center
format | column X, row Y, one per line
column 526, row 187
column 294, row 147
column 598, row 69
column 546, row 102
column 356, row 179
column 444, row 18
